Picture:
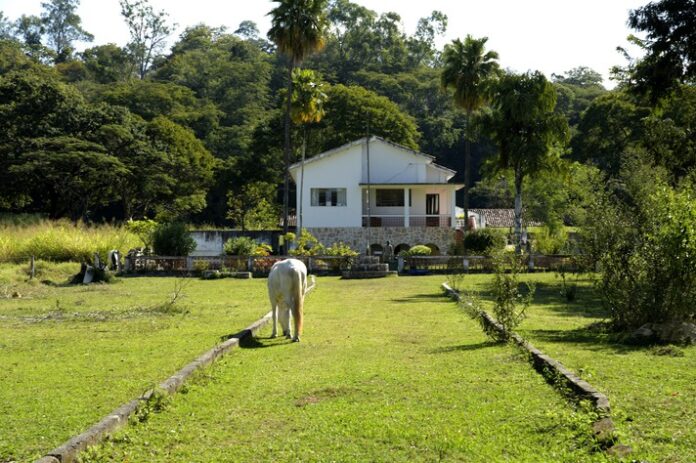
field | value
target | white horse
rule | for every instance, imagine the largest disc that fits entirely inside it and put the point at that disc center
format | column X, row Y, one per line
column 287, row 287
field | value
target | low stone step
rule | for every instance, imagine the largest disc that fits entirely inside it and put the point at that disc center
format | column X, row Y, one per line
column 370, row 268
column 361, row 275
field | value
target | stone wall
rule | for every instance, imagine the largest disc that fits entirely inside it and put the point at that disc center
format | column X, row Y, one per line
column 359, row 238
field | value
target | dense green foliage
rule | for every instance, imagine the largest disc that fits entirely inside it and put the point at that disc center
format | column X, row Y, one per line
column 172, row 239
column 482, row 242
column 245, row 246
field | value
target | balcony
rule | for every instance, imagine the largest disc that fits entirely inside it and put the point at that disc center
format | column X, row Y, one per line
column 439, row 221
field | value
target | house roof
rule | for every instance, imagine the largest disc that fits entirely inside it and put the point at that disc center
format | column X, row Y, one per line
column 401, row 184
column 360, row 141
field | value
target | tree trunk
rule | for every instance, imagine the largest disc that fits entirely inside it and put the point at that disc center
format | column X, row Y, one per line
column 518, row 210
column 467, row 177
column 299, row 206
column 286, row 182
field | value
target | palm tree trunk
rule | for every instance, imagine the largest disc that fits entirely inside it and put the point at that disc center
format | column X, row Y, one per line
column 518, row 210
column 467, row 176
column 299, row 207
column 286, row 183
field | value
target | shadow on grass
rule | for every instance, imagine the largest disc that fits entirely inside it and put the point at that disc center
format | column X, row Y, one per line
column 464, row 347
column 593, row 337
column 421, row 298
column 252, row 342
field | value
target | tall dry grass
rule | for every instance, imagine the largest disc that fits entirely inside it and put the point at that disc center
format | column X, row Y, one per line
column 61, row 240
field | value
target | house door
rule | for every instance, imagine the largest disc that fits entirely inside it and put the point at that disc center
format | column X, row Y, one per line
column 432, row 207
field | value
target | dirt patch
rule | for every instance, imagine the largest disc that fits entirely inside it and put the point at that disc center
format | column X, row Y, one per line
column 325, row 394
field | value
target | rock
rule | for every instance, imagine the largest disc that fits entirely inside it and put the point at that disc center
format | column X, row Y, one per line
column 620, row 450
column 643, row 335
column 16, row 295
column 676, row 332
column 604, row 430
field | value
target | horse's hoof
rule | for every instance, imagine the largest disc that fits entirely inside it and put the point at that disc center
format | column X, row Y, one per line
column 274, row 335
column 295, row 339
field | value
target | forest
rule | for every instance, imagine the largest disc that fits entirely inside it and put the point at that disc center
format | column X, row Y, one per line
column 196, row 133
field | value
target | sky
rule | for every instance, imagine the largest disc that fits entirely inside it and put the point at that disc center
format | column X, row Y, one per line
column 551, row 36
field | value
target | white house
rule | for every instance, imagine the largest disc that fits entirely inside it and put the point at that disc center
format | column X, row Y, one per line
column 371, row 190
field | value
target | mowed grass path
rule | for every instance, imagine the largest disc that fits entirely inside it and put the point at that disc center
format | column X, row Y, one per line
column 388, row 370
column 70, row 355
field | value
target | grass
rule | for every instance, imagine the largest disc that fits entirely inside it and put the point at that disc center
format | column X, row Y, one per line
column 69, row 355
column 652, row 389
column 61, row 240
column 388, row 370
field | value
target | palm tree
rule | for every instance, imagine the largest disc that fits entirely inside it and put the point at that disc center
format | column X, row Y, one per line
column 298, row 29
column 308, row 100
column 468, row 69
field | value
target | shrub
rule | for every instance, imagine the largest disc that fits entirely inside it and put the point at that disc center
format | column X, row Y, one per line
column 145, row 230
column 483, row 242
column 646, row 251
column 510, row 301
column 245, row 246
column 548, row 243
column 417, row 250
column 308, row 245
column 172, row 239
column 340, row 249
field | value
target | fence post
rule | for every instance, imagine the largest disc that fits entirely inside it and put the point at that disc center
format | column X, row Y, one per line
column 32, row 268
column 400, row 264
column 309, row 264
column 530, row 266
column 250, row 264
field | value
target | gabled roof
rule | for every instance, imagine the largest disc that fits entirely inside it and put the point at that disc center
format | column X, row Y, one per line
column 360, row 141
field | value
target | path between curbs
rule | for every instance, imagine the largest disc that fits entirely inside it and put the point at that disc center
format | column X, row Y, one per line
column 68, row 451
column 559, row 375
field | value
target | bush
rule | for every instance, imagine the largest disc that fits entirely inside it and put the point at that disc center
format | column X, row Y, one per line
column 646, row 252
column 308, row 245
column 479, row 242
column 510, row 302
column 172, row 239
column 340, row 249
column 245, row 246
column 417, row 250
column 548, row 243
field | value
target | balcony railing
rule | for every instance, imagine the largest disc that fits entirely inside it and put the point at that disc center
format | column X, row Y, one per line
column 441, row 221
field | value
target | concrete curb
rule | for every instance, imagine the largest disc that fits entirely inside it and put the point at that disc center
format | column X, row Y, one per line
column 68, row 451
column 547, row 366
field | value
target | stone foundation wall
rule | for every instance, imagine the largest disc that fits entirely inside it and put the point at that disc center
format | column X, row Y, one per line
column 357, row 238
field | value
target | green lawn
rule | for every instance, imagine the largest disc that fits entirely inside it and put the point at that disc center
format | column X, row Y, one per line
column 69, row 355
column 388, row 370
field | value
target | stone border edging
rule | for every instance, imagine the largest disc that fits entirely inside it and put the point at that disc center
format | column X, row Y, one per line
column 68, row 451
column 545, row 364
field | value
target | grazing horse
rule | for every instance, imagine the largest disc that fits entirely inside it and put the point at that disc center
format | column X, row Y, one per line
column 287, row 286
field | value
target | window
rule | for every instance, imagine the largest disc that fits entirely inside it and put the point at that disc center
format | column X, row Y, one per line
column 329, row 197
column 391, row 198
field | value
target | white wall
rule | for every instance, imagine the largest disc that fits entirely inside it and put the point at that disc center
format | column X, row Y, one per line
column 348, row 169
column 340, row 170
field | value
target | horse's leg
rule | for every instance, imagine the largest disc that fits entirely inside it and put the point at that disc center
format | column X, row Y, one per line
column 297, row 317
column 284, row 315
column 274, row 311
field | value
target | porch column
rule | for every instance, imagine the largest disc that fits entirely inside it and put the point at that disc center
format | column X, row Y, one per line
column 453, row 209
column 407, row 209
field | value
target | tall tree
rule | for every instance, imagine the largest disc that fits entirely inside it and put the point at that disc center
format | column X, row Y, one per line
column 298, row 28
column 670, row 27
column 5, row 27
column 307, row 107
column 468, row 69
column 529, row 133
column 148, row 31
column 63, row 27
column 30, row 30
